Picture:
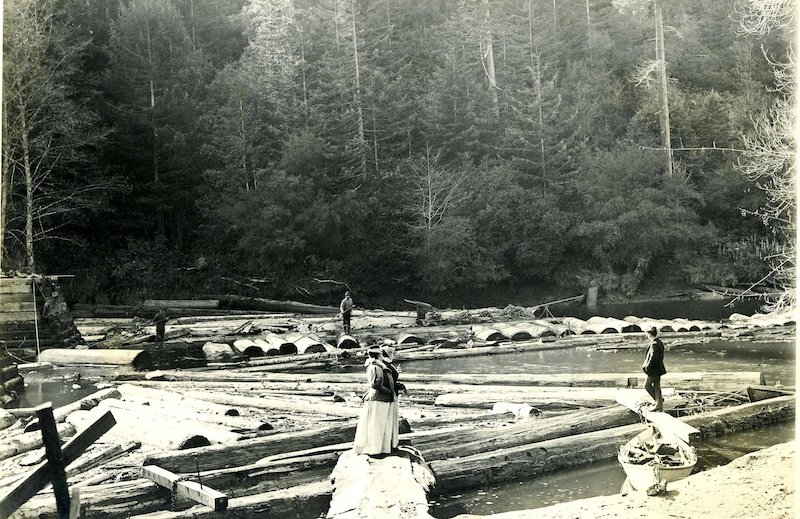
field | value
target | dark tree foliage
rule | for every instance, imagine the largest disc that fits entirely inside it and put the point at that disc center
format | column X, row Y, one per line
column 273, row 147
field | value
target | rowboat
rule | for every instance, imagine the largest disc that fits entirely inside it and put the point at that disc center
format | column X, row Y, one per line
column 651, row 460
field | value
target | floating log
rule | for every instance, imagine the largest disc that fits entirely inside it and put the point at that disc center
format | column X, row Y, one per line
column 89, row 460
column 310, row 344
column 248, row 347
column 265, row 347
column 466, row 441
column 244, row 451
column 362, row 489
column 311, row 499
column 526, row 461
column 557, row 329
column 346, row 342
column 136, row 393
column 485, row 333
column 221, row 352
column 702, row 381
column 543, row 397
column 26, row 442
column 139, row 359
column 409, row 338
column 271, row 305
column 281, row 404
column 164, row 411
column 60, row 414
column 758, row 393
column 180, row 434
column 211, row 304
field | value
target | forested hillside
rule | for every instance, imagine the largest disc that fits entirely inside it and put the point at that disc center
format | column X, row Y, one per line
column 161, row 148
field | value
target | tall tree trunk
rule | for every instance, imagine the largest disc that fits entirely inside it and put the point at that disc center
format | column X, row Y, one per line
column 249, row 179
column 375, row 140
column 336, row 24
column 5, row 180
column 191, row 22
column 488, row 59
column 663, row 118
column 303, row 75
column 588, row 17
column 361, row 140
column 160, row 225
column 26, row 163
column 536, row 72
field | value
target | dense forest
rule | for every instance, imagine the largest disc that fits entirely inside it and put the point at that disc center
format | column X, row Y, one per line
column 280, row 148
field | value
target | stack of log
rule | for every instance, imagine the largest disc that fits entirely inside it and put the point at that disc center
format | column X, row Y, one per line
column 266, row 441
column 11, row 381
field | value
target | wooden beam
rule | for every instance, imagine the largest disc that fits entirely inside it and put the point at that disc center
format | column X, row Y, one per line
column 189, row 489
column 40, row 476
column 55, row 458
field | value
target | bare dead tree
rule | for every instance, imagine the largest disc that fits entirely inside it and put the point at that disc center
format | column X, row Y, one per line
column 437, row 189
column 769, row 155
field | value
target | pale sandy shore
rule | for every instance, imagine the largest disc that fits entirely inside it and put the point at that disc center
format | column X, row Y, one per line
column 759, row 485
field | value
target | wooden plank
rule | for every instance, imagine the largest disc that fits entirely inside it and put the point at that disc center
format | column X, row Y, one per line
column 40, row 475
column 12, row 317
column 17, row 306
column 55, row 459
column 22, row 297
column 667, row 424
column 189, row 489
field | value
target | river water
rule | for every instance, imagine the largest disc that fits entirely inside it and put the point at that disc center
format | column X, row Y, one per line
column 776, row 360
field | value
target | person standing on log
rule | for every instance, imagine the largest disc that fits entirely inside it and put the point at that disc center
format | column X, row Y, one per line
column 160, row 321
column 653, row 366
column 346, row 309
column 387, row 356
column 375, row 433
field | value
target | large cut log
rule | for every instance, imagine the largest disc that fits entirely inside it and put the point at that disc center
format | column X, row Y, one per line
column 179, row 434
column 362, row 488
column 65, row 357
column 140, row 394
column 165, row 412
column 212, row 304
column 308, row 500
column 245, row 451
column 543, row 397
column 110, row 500
column 467, row 441
column 90, row 460
column 529, row 460
column 88, row 402
column 271, row 305
column 282, row 404
column 699, row 381
column 26, row 442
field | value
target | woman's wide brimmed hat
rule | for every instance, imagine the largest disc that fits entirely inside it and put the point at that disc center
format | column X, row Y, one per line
column 374, row 348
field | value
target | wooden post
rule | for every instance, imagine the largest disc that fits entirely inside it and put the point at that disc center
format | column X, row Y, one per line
column 55, row 458
column 40, row 476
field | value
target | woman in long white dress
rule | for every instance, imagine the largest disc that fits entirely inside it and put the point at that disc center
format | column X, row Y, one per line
column 387, row 356
column 376, row 432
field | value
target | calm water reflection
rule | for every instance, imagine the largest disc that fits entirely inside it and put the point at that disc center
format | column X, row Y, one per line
column 775, row 359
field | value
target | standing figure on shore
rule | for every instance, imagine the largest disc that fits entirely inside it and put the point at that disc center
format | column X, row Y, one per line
column 387, row 355
column 375, row 432
column 653, row 366
column 346, row 309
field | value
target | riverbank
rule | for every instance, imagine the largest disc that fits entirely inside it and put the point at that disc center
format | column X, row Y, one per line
column 757, row 485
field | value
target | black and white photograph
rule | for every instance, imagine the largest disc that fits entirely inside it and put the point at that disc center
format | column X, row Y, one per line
column 398, row 259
